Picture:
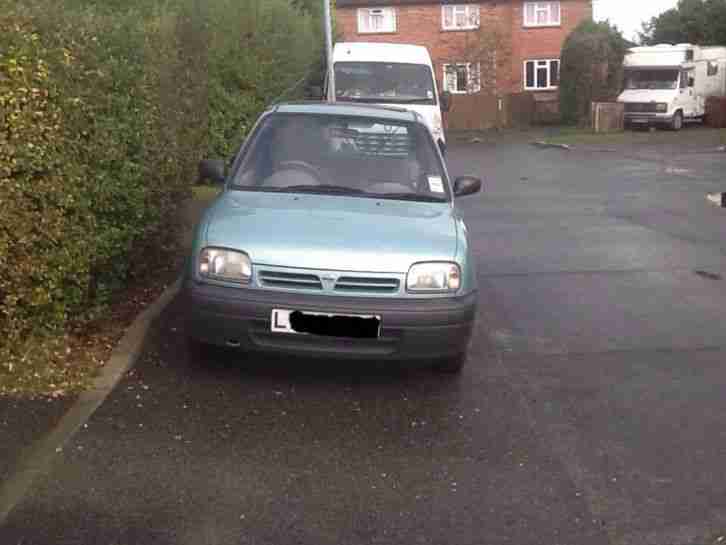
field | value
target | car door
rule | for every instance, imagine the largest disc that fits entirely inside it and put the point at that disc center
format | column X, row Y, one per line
column 687, row 93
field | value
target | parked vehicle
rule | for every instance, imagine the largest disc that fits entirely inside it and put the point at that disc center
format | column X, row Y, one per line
column 337, row 234
column 391, row 74
column 668, row 84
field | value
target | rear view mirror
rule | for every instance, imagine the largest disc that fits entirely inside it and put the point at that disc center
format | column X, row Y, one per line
column 445, row 101
column 211, row 169
column 466, row 185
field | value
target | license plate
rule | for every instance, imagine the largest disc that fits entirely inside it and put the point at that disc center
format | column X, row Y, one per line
column 328, row 325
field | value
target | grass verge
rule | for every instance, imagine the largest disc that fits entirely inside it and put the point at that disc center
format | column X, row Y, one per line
column 205, row 193
column 704, row 136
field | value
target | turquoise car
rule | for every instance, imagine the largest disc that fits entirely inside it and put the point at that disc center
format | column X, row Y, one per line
column 336, row 235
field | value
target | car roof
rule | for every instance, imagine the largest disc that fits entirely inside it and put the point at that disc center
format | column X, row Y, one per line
column 381, row 52
column 390, row 113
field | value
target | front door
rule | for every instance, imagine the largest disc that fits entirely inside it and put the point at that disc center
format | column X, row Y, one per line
column 686, row 95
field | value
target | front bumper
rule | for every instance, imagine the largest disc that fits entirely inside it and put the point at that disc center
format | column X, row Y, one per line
column 410, row 329
column 638, row 118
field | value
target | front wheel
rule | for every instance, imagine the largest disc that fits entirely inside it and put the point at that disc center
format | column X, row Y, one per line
column 677, row 122
column 451, row 365
column 198, row 350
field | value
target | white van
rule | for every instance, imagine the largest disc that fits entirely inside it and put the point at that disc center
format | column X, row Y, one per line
column 668, row 84
column 391, row 75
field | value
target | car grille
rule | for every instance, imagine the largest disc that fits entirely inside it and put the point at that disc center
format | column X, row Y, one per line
column 367, row 285
column 641, row 107
column 287, row 280
column 331, row 282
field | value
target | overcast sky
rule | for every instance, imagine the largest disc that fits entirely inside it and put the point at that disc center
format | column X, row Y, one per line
column 628, row 15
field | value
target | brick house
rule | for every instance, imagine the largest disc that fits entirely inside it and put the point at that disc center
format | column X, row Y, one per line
column 490, row 54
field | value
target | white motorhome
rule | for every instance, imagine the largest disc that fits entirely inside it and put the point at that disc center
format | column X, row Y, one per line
column 668, row 84
column 399, row 75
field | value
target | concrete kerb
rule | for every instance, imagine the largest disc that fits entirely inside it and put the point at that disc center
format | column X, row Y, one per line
column 39, row 456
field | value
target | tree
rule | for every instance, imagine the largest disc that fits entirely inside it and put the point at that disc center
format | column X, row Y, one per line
column 701, row 22
column 591, row 69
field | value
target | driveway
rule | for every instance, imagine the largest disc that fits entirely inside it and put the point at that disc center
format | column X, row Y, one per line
column 592, row 408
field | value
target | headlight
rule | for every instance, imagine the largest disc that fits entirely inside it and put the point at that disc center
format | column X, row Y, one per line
column 433, row 277
column 228, row 265
column 661, row 107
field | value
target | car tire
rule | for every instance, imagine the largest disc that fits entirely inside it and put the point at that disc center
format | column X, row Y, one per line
column 677, row 121
column 451, row 365
column 198, row 350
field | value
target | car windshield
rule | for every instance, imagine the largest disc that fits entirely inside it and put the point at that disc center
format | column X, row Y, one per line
column 332, row 154
column 651, row 79
column 384, row 82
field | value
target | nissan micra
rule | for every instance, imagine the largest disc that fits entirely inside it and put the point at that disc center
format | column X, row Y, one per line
column 336, row 235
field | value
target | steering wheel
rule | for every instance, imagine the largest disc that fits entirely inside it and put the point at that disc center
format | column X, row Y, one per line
column 307, row 168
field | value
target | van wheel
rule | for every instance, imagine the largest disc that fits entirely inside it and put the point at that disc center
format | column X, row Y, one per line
column 451, row 365
column 677, row 122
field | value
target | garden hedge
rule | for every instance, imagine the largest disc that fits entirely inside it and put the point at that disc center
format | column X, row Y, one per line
column 105, row 110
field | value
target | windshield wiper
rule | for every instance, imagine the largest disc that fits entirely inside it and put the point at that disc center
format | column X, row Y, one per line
column 385, row 99
column 323, row 188
column 359, row 99
column 409, row 197
column 412, row 100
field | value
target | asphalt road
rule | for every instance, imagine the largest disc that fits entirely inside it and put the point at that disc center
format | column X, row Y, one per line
column 592, row 408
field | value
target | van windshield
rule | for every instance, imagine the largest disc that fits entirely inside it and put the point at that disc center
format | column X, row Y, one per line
column 651, row 79
column 393, row 83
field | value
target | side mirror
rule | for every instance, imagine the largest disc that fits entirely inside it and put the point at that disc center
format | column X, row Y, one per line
column 314, row 93
column 466, row 185
column 691, row 82
column 445, row 101
column 211, row 169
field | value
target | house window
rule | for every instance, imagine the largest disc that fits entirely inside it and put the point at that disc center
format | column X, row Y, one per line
column 541, row 75
column 460, row 17
column 542, row 13
column 712, row 69
column 462, row 78
column 371, row 20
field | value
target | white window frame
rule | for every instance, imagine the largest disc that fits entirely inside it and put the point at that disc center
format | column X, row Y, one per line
column 365, row 16
column 471, row 89
column 543, row 7
column 470, row 12
column 536, row 62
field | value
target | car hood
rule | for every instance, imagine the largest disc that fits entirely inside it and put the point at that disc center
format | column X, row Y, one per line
column 648, row 95
column 332, row 232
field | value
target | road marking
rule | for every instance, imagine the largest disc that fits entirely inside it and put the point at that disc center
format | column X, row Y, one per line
column 38, row 458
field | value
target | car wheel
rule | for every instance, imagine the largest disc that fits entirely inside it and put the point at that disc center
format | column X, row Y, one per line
column 677, row 122
column 198, row 350
column 451, row 365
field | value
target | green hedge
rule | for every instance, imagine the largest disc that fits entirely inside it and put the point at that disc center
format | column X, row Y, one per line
column 591, row 69
column 105, row 110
